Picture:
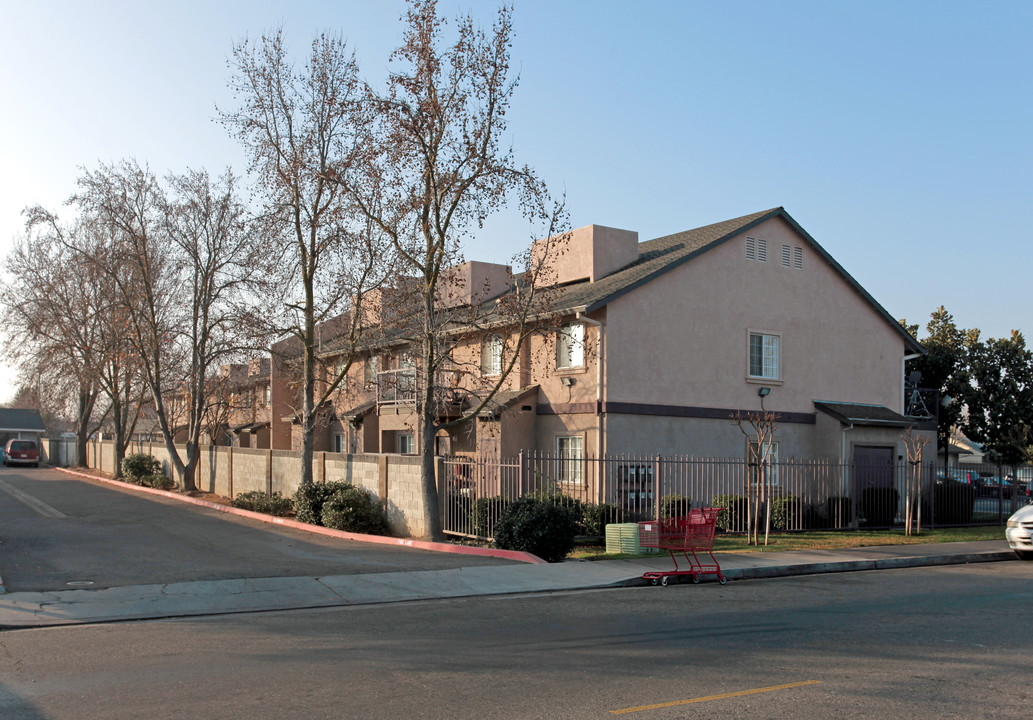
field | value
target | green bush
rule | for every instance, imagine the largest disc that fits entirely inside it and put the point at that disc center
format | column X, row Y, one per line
column 354, row 510
column 733, row 511
column 597, row 517
column 158, row 481
column 310, row 497
column 486, row 513
column 674, row 506
column 786, row 513
column 878, row 506
column 138, row 465
column 262, row 502
column 537, row 526
column 838, row 512
column 953, row 504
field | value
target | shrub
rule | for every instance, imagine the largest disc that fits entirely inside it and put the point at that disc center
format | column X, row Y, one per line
column 674, row 506
column 839, row 512
column 159, row 481
column 537, row 526
column 953, row 504
column 354, row 510
column 486, row 513
column 138, row 465
column 262, row 502
column 597, row 517
column 786, row 513
column 310, row 497
column 879, row 506
column 733, row 512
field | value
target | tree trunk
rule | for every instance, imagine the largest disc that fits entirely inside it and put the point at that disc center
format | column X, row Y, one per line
column 431, row 509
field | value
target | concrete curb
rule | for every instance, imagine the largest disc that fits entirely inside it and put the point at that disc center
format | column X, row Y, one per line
column 515, row 555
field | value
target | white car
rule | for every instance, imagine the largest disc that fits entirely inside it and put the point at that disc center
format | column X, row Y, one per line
column 1019, row 532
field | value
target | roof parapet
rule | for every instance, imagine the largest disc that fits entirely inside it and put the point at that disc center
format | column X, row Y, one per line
column 588, row 253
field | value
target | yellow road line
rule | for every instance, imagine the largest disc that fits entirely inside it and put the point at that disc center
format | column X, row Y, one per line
column 708, row 698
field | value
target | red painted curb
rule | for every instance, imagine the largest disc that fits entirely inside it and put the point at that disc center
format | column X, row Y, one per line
column 516, row 555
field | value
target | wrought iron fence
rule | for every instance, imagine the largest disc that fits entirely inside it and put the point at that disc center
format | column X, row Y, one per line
column 795, row 494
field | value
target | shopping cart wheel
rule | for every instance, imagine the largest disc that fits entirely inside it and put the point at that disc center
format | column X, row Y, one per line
column 695, row 579
column 663, row 581
column 722, row 579
column 654, row 581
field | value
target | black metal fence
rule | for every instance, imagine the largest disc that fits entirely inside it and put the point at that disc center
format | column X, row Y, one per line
column 795, row 494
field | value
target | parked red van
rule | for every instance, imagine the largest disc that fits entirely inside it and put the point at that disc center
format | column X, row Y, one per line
column 21, row 452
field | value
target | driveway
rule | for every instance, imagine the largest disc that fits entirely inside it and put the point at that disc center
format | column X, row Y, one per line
column 59, row 532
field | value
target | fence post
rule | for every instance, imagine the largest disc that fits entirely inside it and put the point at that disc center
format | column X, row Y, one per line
column 657, row 482
column 269, row 471
column 229, row 462
column 521, row 473
column 439, row 481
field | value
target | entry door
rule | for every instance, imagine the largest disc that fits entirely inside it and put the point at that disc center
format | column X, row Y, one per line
column 873, row 467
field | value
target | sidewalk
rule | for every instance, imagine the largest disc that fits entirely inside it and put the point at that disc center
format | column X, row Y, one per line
column 68, row 607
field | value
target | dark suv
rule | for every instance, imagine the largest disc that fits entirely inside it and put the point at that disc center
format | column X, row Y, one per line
column 21, row 452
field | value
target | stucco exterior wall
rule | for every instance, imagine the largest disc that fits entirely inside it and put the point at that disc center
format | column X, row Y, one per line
column 693, row 351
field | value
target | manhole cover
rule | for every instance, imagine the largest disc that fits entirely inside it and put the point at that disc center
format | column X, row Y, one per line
column 79, row 583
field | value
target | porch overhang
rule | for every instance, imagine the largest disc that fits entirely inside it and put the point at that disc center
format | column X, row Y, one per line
column 864, row 414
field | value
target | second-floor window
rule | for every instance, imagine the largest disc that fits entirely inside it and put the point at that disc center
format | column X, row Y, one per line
column 267, row 395
column 764, row 356
column 570, row 347
column 491, row 355
column 372, row 367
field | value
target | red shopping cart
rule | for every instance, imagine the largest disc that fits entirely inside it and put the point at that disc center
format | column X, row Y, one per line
column 691, row 533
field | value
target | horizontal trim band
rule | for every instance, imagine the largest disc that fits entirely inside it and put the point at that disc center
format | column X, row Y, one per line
column 684, row 411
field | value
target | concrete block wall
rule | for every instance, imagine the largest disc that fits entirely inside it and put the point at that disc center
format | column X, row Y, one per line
column 394, row 479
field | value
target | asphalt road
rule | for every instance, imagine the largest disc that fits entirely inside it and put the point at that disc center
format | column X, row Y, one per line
column 58, row 531
column 945, row 642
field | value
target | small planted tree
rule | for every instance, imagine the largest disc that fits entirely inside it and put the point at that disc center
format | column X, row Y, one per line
column 759, row 429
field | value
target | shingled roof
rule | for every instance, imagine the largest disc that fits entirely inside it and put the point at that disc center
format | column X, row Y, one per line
column 661, row 255
column 664, row 254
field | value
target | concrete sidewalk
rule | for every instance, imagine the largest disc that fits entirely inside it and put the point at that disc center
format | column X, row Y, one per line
column 68, row 607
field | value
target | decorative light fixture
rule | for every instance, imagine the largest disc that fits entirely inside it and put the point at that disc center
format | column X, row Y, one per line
column 763, row 392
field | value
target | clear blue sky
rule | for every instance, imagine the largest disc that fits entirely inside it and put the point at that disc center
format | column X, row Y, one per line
column 896, row 133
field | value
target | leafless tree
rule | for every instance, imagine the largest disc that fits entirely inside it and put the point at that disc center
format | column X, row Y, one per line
column 914, row 446
column 432, row 167
column 181, row 262
column 759, row 429
column 295, row 124
column 55, row 313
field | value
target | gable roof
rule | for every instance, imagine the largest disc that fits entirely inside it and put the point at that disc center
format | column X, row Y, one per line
column 23, row 419
column 660, row 256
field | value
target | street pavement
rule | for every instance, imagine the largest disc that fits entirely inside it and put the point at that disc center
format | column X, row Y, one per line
column 256, row 594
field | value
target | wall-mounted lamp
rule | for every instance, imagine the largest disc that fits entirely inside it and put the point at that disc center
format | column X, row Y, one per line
column 566, row 381
column 763, row 392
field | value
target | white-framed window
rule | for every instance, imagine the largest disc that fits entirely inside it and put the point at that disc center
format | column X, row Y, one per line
column 406, row 443
column 570, row 346
column 570, row 449
column 340, row 444
column 267, row 395
column 491, row 355
column 764, row 356
column 765, row 454
column 370, row 370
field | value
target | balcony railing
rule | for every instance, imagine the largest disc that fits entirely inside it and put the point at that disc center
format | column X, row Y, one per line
column 401, row 388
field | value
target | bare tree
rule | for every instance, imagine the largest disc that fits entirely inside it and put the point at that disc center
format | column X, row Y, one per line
column 760, row 437
column 433, row 166
column 914, row 446
column 181, row 262
column 55, row 313
column 294, row 125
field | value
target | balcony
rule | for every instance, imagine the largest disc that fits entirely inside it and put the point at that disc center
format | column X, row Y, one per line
column 400, row 390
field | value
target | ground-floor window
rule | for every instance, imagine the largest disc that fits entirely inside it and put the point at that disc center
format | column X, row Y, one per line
column 571, row 452
column 406, row 443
